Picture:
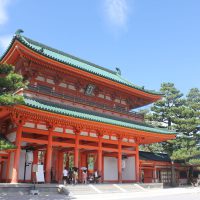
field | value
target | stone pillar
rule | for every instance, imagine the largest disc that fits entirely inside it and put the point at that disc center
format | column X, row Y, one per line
column 49, row 156
column 15, row 170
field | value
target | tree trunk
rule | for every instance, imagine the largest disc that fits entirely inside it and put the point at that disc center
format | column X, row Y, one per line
column 173, row 180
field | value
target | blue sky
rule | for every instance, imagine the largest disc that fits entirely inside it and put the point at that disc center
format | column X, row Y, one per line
column 151, row 41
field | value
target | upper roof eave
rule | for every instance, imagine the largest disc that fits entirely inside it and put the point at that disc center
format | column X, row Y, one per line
column 108, row 74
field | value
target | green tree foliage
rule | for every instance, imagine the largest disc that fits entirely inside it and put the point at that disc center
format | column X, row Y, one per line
column 179, row 113
column 5, row 144
column 10, row 82
column 163, row 110
column 188, row 118
column 162, row 115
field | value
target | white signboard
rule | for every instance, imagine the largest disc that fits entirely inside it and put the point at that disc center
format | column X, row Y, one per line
column 40, row 173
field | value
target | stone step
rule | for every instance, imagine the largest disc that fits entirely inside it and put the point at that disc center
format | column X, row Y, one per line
column 131, row 187
column 108, row 188
column 80, row 189
column 25, row 188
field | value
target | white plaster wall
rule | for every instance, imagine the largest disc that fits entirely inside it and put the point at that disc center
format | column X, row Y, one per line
column 11, row 136
column 84, row 133
column 11, row 164
column 113, row 138
column 106, row 137
column 110, row 169
column 50, row 81
column 58, row 129
column 128, row 173
column 29, row 124
column 71, row 87
column 4, row 170
column 93, row 135
column 69, row 131
column 131, row 140
column 22, row 167
column 40, row 78
column 63, row 85
column 42, row 126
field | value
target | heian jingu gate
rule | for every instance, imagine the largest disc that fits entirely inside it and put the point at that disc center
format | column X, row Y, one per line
column 76, row 113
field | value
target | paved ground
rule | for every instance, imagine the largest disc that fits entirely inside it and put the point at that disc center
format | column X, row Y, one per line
column 18, row 196
column 174, row 197
column 152, row 194
column 157, row 194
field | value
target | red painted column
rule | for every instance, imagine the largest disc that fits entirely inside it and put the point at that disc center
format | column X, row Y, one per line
column 49, row 156
column 60, row 166
column 137, row 164
column 1, row 169
column 119, row 160
column 8, row 168
column 154, row 173
column 15, row 171
column 76, row 149
column 57, row 165
column 100, row 157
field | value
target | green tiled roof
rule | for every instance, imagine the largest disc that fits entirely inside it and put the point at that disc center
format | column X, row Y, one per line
column 154, row 156
column 5, row 144
column 83, row 114
column 76, row 62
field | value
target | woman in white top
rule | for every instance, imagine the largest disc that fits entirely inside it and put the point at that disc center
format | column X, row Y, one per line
column 65, row 176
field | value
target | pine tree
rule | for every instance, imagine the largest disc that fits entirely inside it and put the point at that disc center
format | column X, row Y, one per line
column 188, row 118
column 10, row 82
column 162, row 115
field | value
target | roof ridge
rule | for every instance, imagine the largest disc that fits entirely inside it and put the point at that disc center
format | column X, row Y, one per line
column 67, row 54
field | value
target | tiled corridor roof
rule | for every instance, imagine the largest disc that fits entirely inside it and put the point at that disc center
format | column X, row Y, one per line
column 89, row 115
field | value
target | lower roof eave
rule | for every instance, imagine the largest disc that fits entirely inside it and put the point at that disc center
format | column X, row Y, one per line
column 145, row 136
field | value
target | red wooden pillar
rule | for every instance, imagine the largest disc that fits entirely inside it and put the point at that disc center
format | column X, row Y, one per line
column 76, row 149
column 154, row 173
column 137, row 164
column 8, row 168
column 49, row 156
column 1, row 169
column 15, row 171
column 57, row 166
column 100, row 157
column 60, row 166
column 119, row 160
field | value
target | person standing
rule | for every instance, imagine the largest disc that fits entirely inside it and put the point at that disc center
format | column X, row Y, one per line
column 75, row 176
column 84, row 176
column 65, row 176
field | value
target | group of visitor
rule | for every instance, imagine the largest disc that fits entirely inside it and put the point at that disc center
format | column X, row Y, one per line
column 71, row 176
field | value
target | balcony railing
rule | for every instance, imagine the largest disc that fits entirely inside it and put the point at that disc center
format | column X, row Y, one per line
column 118, row 109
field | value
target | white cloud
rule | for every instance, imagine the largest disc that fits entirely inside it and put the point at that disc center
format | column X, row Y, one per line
column 116, row 12
column 5, row 41
column 3, row 11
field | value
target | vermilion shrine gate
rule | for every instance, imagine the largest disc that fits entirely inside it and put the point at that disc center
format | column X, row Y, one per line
column 75, row 110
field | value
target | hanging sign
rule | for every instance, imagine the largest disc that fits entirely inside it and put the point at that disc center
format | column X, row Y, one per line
column 40, row 173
